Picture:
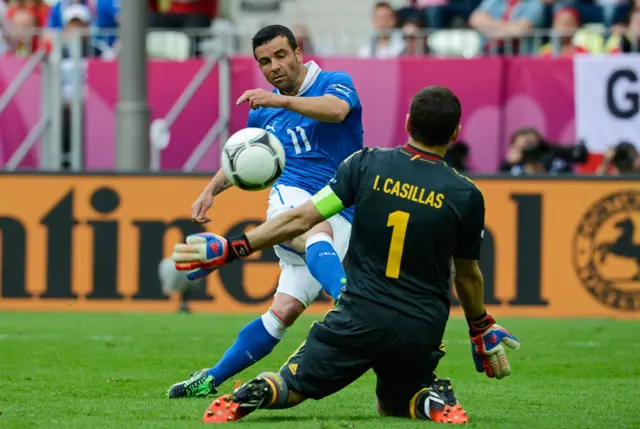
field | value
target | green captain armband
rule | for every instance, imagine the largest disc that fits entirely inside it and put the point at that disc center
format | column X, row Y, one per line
column 327, row 202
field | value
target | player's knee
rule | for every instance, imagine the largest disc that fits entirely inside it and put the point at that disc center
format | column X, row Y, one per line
column 287, row 308
column 320, row 232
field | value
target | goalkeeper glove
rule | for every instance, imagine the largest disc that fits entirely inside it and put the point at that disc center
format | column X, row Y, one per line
column 486, row 346
column 205, row 252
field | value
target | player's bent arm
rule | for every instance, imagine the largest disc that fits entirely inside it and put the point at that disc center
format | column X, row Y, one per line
column 326, row 108
column 469, row 287
column 285, row 227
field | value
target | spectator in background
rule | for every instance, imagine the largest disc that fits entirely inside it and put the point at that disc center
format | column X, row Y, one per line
column 566, row 21
column 387, row 42
column 415, row 37
column 458, row 156
column 77, row 21
column 607, row 12
column 303, row 38
column 182, row 14
column 56, row 20
column 107, row 12
column 4, row 46
column 22, row 32
column 524, row 137
column 25, row 18
column 621, row 159
column 629, row 40
column 188, row 16
column 444, row 13
column 529, row 153
column 506, row 22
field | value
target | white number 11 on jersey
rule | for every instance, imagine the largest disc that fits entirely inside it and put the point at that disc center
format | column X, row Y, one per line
column 296, row 142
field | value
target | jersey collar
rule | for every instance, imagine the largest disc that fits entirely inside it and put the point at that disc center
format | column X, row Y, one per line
column 423, row 153
column 313, row 71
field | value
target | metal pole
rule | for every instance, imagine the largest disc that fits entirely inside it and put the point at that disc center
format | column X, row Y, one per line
column 77, row 103
column 46, row 114
column 224, row 83
column 132, row 146
column 53, row 153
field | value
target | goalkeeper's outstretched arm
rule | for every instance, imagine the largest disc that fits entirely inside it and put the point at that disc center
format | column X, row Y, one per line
column 285, row 227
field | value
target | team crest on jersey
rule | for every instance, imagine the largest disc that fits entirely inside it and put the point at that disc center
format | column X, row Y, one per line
column 606, row 250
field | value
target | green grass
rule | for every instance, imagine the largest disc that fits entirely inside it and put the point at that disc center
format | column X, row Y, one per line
column 113, row 371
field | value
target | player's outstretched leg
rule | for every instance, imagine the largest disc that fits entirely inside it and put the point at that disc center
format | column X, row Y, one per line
column 438, row 403
column 324, row 264
column 268, row 390
column 254, row 341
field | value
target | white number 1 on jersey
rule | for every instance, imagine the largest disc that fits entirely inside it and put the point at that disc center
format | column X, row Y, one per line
column 296, row 142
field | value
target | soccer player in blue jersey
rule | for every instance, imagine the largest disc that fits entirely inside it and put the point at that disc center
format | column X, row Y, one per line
column 317, row 116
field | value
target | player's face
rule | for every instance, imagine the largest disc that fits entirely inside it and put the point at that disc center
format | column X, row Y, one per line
column 280, row 64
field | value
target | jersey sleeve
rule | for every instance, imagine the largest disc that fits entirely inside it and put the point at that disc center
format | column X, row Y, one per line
column 341, row 85
column 470, row 239
column 252, row 119
column 341, row 191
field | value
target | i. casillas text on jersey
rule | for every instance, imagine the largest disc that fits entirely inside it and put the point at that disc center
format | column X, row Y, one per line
column 408, row 191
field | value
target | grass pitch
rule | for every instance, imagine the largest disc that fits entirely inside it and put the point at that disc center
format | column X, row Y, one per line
column 113, row 370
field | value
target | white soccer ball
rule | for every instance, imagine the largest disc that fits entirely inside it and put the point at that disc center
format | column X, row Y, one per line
column 253, row 159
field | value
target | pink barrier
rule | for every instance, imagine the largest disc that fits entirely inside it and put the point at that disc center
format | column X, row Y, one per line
column 498, row 96
column 22, row 113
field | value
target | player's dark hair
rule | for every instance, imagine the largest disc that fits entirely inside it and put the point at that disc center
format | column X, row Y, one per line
column 270, row 32
column 434, row 115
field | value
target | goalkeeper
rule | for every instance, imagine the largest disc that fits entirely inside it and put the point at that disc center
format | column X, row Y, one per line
column 413, row 215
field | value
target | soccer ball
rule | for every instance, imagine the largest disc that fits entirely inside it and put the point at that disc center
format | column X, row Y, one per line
column 253, row 159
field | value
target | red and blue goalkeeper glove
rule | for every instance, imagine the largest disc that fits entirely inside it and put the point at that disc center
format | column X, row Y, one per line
column 206, row 252
column 488, row 353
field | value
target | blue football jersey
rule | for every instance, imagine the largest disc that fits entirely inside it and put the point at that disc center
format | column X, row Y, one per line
column 315, row 149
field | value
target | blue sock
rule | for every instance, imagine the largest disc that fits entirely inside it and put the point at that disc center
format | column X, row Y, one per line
column 324, row 264
column 255, row 341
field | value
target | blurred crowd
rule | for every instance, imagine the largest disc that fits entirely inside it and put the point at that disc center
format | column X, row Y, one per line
column 27, row 25
column 510, row 27
column 529, row 153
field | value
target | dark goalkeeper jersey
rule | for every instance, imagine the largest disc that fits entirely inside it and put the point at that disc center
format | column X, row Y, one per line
column 413, row 214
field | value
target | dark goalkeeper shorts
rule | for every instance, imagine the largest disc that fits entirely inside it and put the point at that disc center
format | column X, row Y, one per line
column 342, row 348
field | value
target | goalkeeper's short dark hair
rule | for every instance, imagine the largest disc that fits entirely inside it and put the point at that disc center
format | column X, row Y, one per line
column 434, row 116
